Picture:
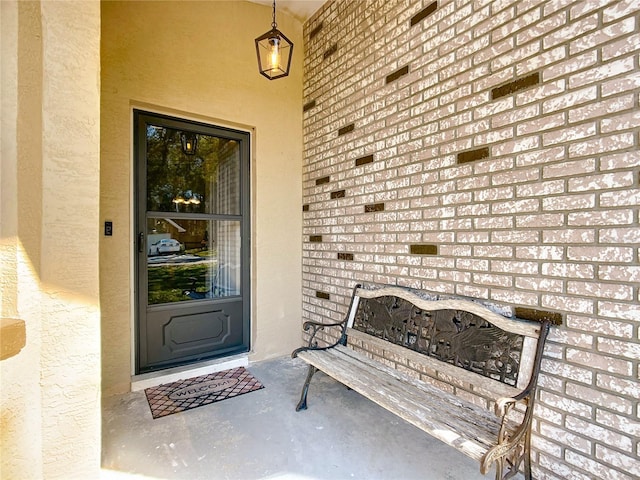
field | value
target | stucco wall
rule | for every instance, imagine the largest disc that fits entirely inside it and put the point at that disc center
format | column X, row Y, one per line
column 197, row 59
column 489, row 149
column 50, row 390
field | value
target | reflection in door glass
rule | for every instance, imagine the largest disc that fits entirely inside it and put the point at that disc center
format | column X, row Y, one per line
column 192, row 259
column 198, row 175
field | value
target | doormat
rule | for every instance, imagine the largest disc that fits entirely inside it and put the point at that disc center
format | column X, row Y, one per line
column 199, row 391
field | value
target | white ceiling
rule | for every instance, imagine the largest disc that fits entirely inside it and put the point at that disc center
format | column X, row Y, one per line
column 300, row 9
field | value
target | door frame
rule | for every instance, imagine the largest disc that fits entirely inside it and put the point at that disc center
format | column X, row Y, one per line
column 249, row 332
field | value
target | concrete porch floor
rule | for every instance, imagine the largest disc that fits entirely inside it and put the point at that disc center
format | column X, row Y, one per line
column 259, row 435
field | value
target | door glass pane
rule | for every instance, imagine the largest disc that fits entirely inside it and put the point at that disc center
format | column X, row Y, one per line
column 192, row 259
column 192, row 173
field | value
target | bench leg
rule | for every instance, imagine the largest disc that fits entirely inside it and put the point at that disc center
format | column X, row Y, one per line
column 527, row 456
column 512, row 463
column 302, row 404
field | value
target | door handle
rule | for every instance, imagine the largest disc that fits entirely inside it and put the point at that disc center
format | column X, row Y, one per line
column 141, row 242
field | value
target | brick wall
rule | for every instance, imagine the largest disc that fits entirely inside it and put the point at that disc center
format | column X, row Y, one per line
column 489, row 149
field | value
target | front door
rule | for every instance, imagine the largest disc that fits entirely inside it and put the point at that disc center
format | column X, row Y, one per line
column 192, row 244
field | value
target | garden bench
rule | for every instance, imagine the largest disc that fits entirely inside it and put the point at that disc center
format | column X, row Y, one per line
column 467, row 375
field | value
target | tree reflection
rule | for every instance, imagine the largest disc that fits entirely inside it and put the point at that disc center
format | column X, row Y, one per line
column 177, row 182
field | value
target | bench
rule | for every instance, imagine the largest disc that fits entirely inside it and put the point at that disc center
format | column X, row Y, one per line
column 452, row 367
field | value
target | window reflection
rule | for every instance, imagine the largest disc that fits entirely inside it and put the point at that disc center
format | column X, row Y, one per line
column 207, row 180
column 192, row 259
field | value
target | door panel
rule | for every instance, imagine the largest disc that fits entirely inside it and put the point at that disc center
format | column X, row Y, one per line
column 194, row 331
column 192, row 220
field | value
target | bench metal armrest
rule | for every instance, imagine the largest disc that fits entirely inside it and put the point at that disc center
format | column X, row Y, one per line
column 508, row 438
column 505, row 404
column 315, row 327
column 318, row 326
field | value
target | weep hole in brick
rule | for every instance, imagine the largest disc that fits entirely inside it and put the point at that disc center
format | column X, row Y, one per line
column 346, row 129
column 473, row 155
column 424, row 13
column 397, row 74
column 374, row 207
column 538, row 315
column 330, row 51
column 364, row 160
column 423, row 249
column 315, row 31
column 512, row 87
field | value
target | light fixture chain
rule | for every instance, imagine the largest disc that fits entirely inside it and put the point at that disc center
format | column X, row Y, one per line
column 273, row 24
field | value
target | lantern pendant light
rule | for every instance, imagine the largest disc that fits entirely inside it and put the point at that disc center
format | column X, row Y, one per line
column 274, row 52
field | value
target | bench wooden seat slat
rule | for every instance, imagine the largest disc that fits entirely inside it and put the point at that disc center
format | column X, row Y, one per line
column 421, row 406
column 428, row 394
column 410, row 392
column 461, row 347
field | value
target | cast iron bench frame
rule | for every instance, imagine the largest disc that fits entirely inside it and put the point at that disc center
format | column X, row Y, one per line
column 503, row 436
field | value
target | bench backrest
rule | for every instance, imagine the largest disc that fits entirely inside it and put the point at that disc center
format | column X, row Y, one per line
column 455, row 331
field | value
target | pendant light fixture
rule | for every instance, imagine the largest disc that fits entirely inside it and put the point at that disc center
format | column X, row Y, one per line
column 274, row 52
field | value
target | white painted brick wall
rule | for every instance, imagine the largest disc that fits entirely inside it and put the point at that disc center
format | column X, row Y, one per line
column 548, row 220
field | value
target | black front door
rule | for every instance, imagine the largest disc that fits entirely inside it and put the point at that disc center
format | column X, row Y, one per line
column 192, row 227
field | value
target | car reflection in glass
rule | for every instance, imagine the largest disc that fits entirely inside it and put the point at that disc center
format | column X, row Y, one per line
column 166, row 245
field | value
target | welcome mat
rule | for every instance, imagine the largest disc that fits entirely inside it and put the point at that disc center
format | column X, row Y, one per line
column 199, row 391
